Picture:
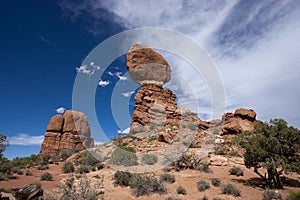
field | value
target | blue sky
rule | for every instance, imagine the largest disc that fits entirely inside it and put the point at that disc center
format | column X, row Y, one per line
column 254, row 44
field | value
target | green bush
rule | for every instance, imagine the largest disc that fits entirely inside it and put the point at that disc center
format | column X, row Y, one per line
column 3, row 177
column 68, row 167
column 204, row 167
column 215, row 182
column 144, row 185
column 293, row 195
column 269, row 195
column 181, row 190
column 66, row 153
column 221, row 149
column 5, row 190
column 46, row 177
column 43, row 167
column 140, row 185
column 236, row 171
column 192, row 127
column 202, row 185
column 88, row 159
column 43, row 160
column 122, row 157
column 28, row 173
column 122, row 178
column 82, row 169
column 15, row 170
column 169, row 178
column 149, row 159
column 20, row 172
column 230, row 189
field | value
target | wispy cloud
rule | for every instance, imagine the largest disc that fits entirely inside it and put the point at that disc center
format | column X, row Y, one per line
column 25, row 139
column 254, row 44
column 103, row 83
column 127, row 94
column 119, row 75
column 89, row 70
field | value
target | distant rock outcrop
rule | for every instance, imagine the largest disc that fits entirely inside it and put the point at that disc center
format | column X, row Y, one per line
column 241, row 120
column 67, row 131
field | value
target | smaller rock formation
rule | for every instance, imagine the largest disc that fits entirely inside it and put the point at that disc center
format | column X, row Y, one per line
column 145, row 65
column 241, row 120
column 67, row 131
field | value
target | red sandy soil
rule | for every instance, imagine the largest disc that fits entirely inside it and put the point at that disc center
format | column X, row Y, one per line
column 185, row 178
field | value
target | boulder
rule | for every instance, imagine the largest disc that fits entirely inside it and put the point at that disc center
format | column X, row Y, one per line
column 55, row 124
column 147, row 66
column 241, row 120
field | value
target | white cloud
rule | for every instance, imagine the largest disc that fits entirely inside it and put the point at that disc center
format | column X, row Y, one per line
column 121, row 77
column 255, row 45
column 89, row 71
column 60, row 110
column 25, row 139
column 110, row 73
column 103, row 83
column 83, row 69
column 127, row 94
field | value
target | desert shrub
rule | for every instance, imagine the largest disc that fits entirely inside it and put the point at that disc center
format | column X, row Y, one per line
column 66, row 153
column 215, row 182
column 187, row 161
column 169, row 178
column 82, row 169
column 43, row 160
column 221, row 149
column 216, row 131
column 88, row 159
column 270, row 194
column 204, row 167
column 20, row 172
column 181, row 190
column 217, row 198
column 5, row 190
column 122, row 157
column 100, row 166
column 80, row 191
column 55, row 158
column 122, row 178
column 15, row 169
column 28, row 173
column 202, row 185
column 43, row 167
column 127, row 148
column 140, row 185
column 192, row 127
column 68, row 167
column 233, row 153
column 46, row 177
column 236, row 171
column 3, row 177
column 230, row 189
column 144, row 185
column 149, row 159
column 203, row 198
column 173, row 198
column 293, row 195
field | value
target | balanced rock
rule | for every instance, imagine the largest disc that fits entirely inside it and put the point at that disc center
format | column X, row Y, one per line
column 147, row 66
column 67, row 131
column 241, row 120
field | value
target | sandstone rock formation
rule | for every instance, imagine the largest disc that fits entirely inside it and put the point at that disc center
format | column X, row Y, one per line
column 155, row 107
column 144, row 65
column 241, row 120
column 67, row 131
